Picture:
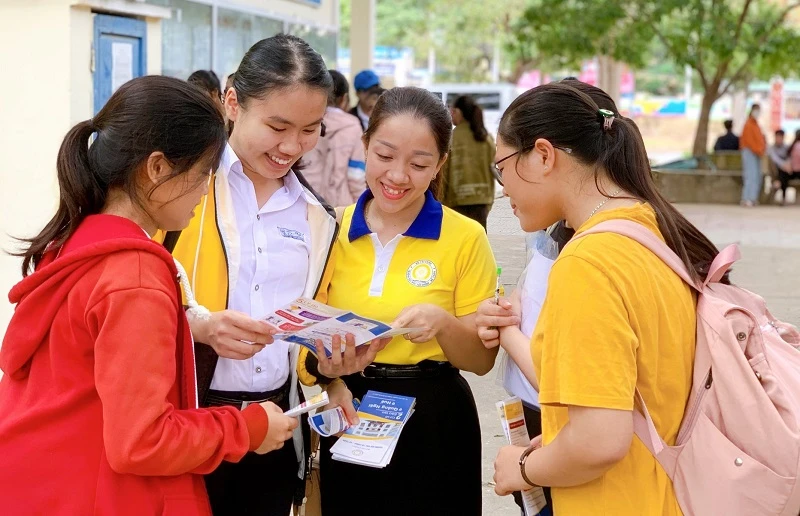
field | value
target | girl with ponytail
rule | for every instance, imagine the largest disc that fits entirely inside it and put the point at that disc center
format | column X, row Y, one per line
column 615, row 319
column 98, row 397
column 467, row 175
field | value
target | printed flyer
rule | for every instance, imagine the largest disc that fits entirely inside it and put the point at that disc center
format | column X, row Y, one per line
column 303, row 321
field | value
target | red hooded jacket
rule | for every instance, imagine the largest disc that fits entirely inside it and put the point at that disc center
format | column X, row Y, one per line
column 98, row 411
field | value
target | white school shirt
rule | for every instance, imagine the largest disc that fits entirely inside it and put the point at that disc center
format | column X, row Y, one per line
column 275, row 244
column 533, row 290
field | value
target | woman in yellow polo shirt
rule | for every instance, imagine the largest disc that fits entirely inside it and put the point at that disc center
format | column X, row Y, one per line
column 615, row 318
column 404, row 258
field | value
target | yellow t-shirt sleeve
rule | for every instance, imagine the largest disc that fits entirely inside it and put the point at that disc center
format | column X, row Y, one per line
column 588, row 348
column 477, row 274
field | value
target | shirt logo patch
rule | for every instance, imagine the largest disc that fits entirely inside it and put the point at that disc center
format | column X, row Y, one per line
column 421, row 273
column 292, row 233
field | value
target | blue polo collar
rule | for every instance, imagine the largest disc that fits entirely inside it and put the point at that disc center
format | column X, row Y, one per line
column 428, row 223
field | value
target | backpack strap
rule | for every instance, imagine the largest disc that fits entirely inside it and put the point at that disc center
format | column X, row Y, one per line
column 722, row 262
column 644, row 427
column 648, row 239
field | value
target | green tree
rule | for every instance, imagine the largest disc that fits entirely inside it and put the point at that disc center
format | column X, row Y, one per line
column 463, row 33
column 726, row 42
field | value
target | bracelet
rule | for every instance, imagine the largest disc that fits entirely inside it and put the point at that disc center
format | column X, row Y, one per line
column 522, row 460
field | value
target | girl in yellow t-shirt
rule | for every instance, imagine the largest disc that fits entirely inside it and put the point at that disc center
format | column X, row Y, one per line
column 402, row 257
column 615, row 317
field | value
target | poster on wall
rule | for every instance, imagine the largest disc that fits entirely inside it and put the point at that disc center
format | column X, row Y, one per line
column 121, row 64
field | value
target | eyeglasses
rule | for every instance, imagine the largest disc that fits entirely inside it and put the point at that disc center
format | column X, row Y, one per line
column 498, row 174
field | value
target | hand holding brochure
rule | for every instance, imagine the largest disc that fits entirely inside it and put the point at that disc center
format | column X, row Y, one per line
column 329, row 422
column 373, row 441
column 513, row 421
column 304, row 321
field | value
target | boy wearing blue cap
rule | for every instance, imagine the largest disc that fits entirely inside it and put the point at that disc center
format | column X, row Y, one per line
column 368, row 89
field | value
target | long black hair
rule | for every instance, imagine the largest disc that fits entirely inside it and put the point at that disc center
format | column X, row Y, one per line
column 146, row 115
column 208, row 81
column 473, row 114
column 340, row 88
column 570, row 118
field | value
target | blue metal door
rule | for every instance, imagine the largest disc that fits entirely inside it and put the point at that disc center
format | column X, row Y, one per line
column 120, row 54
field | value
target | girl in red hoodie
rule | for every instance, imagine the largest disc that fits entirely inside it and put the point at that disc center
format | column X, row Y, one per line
column 98, row 400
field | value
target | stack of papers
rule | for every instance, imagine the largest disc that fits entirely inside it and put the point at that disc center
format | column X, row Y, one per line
column 372, row 443
column 513, row 421
column 304, row 321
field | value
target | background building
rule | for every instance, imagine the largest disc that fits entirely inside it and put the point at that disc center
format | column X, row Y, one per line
column 63, row 59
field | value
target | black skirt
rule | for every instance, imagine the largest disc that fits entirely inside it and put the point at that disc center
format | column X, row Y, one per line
column 436, row 467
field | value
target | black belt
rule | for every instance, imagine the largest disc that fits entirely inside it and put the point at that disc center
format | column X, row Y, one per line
column 242, row 399
column 424, row 369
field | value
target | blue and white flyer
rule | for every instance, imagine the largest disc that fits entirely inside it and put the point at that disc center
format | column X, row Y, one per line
column 304, row 321
column 372, row 443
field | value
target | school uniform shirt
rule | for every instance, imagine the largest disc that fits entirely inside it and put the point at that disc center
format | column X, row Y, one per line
column 98, row 401
column 533, row 290
column 616, row 318
column 444, row 258
column 274, row 241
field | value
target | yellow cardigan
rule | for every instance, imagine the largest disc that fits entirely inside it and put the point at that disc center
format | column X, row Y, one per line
column 209, row 251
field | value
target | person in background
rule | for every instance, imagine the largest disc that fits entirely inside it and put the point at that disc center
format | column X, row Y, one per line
column 778, row 154
column 208, row 81
column 793, row 165
column 228, row 84
column 467, row 174
column 728, row 141
column 753, row 146
column 403, row 257
column 98, row 402
column 368, row 89
column 335, row 167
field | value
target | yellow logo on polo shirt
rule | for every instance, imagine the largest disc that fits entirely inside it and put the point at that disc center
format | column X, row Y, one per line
column 421, row 273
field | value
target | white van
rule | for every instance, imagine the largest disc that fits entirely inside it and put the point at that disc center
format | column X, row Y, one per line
column 493, row 99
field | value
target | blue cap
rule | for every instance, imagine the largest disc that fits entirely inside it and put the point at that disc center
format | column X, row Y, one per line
column 365, row 80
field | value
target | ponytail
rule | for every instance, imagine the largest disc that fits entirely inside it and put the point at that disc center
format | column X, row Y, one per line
column 80, row 195
column 473, row 114
column 626, row 163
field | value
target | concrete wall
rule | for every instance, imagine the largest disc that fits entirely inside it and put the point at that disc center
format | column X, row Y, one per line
column 36, row 113
column 49, row 56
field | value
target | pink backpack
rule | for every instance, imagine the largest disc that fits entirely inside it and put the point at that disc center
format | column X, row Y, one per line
column 738, row 447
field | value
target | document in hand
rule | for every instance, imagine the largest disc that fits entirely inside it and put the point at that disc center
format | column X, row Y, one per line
column 310, row 404
column 373, row 441
column 513, row 421
column 303, row 321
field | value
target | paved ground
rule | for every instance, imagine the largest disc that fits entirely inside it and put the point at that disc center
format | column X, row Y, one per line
column 769, row 238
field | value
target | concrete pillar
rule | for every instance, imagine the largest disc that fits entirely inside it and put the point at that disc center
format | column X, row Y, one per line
column 362, row 35
column 609, row 76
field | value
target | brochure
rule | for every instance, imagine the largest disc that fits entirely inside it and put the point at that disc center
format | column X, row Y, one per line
column 310, row 404
column 513, row 421
column 303, row 321
column 372, row 443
